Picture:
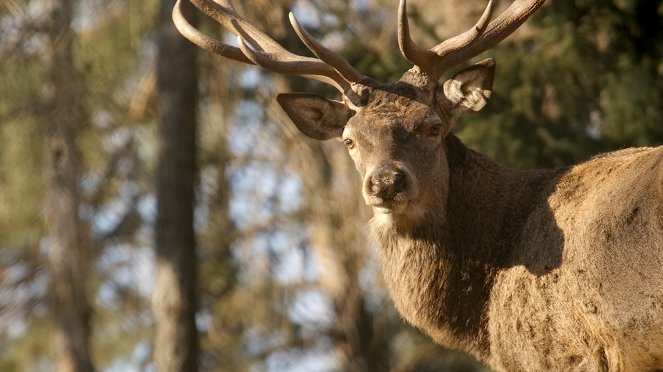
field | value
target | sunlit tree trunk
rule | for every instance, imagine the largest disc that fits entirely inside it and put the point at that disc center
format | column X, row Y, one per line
column 174, row 300
column 63, row 117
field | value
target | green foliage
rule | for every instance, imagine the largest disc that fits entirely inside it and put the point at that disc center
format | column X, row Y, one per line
column 586, row 78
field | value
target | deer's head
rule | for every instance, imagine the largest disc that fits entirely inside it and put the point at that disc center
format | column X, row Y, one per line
column 396, row 136
column 394, row 132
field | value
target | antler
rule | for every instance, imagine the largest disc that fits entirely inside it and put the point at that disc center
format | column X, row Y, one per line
column 257, row 48
column 483, row 36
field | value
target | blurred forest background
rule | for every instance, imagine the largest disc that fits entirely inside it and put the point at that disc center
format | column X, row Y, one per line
column 159, row 212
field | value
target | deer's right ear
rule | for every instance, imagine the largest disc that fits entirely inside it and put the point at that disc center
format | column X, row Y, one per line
column 316, row 117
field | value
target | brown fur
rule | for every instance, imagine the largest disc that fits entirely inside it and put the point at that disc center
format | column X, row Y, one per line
column 535, row 271
column 526, row 270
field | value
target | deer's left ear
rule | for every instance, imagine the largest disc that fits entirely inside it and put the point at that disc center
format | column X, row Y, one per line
column 315, row 116
column 469, row 89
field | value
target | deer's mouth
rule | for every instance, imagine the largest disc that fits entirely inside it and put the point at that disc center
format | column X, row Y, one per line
column 393, row 206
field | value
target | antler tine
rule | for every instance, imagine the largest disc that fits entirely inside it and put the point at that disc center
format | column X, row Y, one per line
column 192, row 34
column 466, row 38
column 339, row 63
column 224, row 13
column 412, row 52
column 483, row 36
column 258, row 48
column 309, row 67
column 498, row 30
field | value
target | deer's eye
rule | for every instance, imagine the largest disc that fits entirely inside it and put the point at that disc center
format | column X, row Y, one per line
column 349, row 143
column 435, row 130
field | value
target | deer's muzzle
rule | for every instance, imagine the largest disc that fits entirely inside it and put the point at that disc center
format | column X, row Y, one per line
column 388, row 187
column 386, row 183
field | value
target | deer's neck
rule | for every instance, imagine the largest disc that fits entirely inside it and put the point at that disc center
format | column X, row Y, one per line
column 440, row 272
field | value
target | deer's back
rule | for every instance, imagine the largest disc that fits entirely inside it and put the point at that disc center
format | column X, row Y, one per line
column 585, row 288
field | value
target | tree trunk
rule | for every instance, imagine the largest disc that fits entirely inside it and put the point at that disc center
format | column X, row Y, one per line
column 174, row 300
column 68, row 241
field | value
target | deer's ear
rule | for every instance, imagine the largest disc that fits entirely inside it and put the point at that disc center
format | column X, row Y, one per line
column 316, row 117
column 469, row 89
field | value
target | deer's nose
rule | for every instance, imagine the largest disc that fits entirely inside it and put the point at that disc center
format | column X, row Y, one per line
column 387, row 182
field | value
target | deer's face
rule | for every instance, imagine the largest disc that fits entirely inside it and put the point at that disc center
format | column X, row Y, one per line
column 396, row 137
column 396, row 145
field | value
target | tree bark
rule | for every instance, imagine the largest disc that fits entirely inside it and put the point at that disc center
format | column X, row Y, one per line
column 69, row 245
column 174, row 300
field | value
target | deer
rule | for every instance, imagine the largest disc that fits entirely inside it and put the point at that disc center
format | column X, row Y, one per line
column 526, row 270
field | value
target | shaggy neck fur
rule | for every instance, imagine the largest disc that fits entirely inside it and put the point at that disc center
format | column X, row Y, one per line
column 440, row 270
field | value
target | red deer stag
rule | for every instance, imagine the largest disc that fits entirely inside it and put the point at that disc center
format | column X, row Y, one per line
column 526, row 270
